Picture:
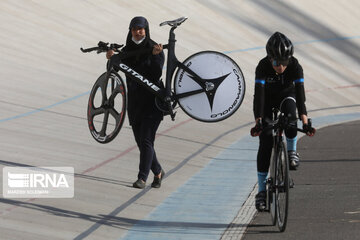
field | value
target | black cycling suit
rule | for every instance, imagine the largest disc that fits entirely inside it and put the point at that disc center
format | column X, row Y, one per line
column 270, row 90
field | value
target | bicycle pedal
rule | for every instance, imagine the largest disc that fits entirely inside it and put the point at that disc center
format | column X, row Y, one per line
column 291, row 184
column 173, row 116
column 261, row 208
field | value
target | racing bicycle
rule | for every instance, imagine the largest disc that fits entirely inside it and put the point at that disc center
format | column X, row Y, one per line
column 278, row 181
column 208, row 86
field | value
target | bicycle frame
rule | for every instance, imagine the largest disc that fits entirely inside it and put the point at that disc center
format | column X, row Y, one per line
column 137, row 77
column 228, row 100
column 174, row 63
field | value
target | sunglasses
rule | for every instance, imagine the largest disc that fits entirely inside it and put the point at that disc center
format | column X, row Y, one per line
column 277, row 63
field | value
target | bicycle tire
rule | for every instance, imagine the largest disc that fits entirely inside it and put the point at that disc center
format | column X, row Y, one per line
column 271, row 187
column 113, row 101
column 220, row 70
column 282, row 187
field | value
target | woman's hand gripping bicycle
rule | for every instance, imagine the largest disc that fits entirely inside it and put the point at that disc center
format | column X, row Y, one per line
column 208, row 86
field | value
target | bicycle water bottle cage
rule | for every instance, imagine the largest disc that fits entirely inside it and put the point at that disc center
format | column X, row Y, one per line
column 174, row 23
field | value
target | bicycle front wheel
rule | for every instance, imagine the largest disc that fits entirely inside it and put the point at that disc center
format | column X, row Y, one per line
column 222, row 75
column 282, row 187
column 271, row 196
column 106, row 107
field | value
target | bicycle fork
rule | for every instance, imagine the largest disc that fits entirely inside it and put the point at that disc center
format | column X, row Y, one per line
column 269, row 192
column 271, row 181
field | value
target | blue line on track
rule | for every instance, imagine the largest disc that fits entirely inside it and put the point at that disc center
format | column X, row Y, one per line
column 204, row 206
column 44, row 108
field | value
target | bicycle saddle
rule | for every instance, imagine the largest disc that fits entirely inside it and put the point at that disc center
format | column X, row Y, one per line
column 174, row 23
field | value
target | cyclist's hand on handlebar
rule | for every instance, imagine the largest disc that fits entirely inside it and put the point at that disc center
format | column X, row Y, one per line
column 157, row 49
column 256, row 131
column 109, row 54
column 309, row 130
column 307, row 125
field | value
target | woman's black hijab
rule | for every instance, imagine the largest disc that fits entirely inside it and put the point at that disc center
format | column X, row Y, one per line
column 147, row 43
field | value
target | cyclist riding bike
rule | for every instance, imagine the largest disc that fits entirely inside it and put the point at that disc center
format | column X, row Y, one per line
column 278, row 76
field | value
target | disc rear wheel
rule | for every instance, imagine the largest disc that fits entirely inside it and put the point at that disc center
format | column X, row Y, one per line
column 219, row 93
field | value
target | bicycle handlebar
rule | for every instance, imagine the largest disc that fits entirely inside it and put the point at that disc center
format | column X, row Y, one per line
column 283, row 123
column 103, row 47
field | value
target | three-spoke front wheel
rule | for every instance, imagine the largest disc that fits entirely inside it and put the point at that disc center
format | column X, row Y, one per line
column 107, row 107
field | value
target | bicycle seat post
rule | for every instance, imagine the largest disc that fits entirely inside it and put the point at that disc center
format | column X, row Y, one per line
column 171, row 66
column 171, row 59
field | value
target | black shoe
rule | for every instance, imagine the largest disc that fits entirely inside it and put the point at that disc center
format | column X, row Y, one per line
column 260, row 201
column 294, row 160
column 139, row 184
column 157, row 180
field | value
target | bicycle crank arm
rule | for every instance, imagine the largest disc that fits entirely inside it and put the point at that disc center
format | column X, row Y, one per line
column 171, row 110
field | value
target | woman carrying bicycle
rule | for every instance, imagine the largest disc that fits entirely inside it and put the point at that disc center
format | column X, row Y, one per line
column 144, row 116
column 278, row 76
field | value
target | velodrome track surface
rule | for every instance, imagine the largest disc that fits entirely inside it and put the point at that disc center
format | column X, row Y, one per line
column 45, row 81
column 324, row 204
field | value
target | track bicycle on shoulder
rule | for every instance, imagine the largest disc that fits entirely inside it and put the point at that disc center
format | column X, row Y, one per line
column 208, row 86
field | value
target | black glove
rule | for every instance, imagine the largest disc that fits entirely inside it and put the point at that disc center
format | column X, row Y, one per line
column 256, row 131
column 308, row 129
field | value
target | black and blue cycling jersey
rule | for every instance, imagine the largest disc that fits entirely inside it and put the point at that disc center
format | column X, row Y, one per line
column 271, row 88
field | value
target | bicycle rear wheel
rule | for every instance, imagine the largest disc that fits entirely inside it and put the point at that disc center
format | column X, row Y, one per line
column 282, row 187
column 224, row 88
column 107, row 107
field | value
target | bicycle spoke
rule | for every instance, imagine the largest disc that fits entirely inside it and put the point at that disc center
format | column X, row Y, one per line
column 96, row 111
column 104, row 124
column 112, row 97
column 115, row 114
column 190, row 93
column 103, row 86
